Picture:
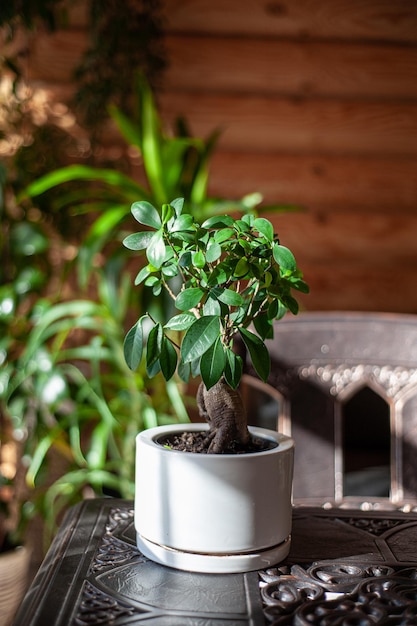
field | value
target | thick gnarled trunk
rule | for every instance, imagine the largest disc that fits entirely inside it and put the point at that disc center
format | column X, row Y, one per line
column 222, row 407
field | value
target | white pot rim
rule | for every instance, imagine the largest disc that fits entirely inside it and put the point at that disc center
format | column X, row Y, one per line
column 150, row 436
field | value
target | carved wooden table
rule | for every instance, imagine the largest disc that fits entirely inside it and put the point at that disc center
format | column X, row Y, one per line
column 345, row 568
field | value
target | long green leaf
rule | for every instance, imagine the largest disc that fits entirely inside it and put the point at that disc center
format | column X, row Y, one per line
column 258, row 353
column 83, row 172
column 199, row 337
column 133, row 345
column 151, row 145
column 155, row 251
column 233, row 368
column 213, row 363
column 154, row 345
column 168, row 359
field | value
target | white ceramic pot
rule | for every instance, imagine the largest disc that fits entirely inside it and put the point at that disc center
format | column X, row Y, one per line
column 210, row 512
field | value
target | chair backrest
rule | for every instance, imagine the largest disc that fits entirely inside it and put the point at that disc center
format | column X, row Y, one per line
column 344, row 385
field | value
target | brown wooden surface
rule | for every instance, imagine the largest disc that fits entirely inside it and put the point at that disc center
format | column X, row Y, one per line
column 318, row 105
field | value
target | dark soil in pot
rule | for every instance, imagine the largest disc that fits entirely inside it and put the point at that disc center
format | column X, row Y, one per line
column 198, row 442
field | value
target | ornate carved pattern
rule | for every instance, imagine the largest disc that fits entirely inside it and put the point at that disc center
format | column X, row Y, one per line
column 124, row 587
column 374, row 526
column 339, row 592
column 113, row 551
column 338, row 377
column 98, row 608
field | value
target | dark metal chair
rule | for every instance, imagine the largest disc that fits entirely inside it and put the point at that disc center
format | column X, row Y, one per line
column 344, row 385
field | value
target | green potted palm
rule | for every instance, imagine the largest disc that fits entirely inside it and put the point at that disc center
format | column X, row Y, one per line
column 212, row 496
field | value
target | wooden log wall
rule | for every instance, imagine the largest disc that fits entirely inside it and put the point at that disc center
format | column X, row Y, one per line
column 317, row 100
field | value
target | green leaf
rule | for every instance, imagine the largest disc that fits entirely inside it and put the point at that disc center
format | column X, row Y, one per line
column 178, row 205
column 213, row 252
column 281, row 311
column 198, row 259
column 213, row 363
column 224, row 235
column 291, row 304
column 258, row 353
column 263, row 326
column 230, row 297
column 199, row 337
column 138, row 241
column 284, row 257
column 168, row 358
column 153, row 348
column 184, row 371
column 233, row 369
column 170, row 270
column 167, row 213
column 212, row 307
column 143, row 274
column 218, row 276
column 133, row 345
column 189, row 298
column 84, row 172
column 152, row 141
column 156, row 250
column 146, row 214
column 242, row 267
column 183, row 222
column 300, row 285
column 182, row 321
column 264, row 227
column 218, row 221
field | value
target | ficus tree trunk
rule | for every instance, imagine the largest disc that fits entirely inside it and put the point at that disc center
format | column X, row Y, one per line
column 222, row 407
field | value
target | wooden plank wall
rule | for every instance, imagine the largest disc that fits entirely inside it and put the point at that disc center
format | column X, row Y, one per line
column 317, row 100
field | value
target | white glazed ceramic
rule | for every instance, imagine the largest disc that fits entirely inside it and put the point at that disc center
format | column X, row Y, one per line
column 210, row 512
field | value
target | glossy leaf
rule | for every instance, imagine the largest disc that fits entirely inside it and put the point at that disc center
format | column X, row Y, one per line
column 233, row 369
column 242, row 267
column 264, row 227
column 182, row 321
column 263, row 326
column 154, row 344
column 183, row 222
column 178, row 205
column 156, row 250
column 214, row 252
column 258, row 353
column 198, row 259
column 146, row 214
column 143, row 274
column 284, row 257
column 218, row 221
column 213, row 363
column 199, row 337
column 189, row 298
column 230, row 297
column 133, row 345
column 168, row 358
column 224, row 234
column 211, row 307
column 138, row 241
column 167, row 213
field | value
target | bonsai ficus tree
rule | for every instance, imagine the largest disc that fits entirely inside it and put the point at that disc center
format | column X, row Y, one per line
column 228, row 278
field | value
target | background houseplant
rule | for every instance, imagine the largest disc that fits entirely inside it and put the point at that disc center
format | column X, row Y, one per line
column 80, row 424
column 227, row 277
